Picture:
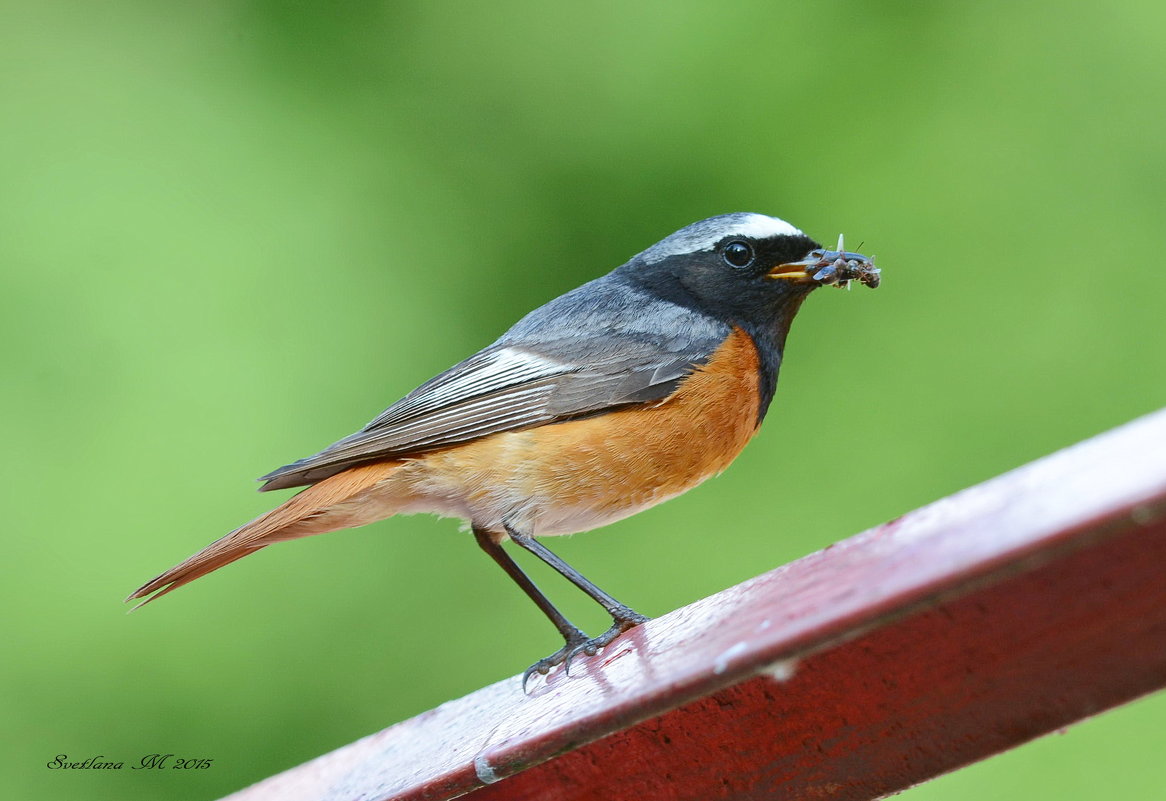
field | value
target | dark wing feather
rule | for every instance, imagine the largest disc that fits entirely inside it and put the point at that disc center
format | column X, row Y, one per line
column 520, row 382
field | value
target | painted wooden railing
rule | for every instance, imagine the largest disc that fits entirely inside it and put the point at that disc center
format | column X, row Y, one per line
column 957, row 631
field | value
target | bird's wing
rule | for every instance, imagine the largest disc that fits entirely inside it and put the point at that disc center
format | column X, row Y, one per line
column 507, row 387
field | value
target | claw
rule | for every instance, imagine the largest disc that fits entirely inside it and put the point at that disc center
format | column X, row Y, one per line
column 592, row 646
column 625, row 620
column 543, row 666
column 585, row 648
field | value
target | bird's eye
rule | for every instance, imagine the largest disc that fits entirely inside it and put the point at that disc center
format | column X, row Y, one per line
column 738, row 254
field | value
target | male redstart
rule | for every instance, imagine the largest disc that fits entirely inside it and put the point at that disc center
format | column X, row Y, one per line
column 618, row 395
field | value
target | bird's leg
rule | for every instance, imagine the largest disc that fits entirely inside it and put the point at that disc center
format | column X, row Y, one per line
column 575, row 638
column 622, row 617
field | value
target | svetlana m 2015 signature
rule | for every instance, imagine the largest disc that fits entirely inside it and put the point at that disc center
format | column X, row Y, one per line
column 148, row 762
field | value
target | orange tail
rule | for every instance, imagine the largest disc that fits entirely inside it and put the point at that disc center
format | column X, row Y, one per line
column 340, row 501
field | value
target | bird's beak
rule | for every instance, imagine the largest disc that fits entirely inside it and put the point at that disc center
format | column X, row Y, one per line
column 838, row 267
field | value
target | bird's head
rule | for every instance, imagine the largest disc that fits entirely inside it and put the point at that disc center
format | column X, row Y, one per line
column 746, row 268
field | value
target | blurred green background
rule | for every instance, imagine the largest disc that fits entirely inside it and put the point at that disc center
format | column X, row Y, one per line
column 232, row 232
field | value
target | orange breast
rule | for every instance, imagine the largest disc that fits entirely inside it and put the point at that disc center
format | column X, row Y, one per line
column 579, row 474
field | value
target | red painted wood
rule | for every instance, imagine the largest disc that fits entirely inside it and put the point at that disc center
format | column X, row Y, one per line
column 957, row 631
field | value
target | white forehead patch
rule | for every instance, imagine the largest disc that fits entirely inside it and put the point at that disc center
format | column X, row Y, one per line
column 705, row 234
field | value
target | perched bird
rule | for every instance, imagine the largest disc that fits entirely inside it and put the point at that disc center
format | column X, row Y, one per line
column 620, row 394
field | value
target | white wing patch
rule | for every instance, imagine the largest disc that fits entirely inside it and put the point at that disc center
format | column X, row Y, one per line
column 485, row 373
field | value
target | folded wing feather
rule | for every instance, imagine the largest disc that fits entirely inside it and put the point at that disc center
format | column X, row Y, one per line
column 502, row 388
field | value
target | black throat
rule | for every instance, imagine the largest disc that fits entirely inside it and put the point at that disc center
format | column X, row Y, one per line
column 769, row 338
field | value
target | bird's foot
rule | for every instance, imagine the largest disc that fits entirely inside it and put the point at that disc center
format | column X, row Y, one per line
column 577, row 643
column 574, row 641
column 622, row 620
